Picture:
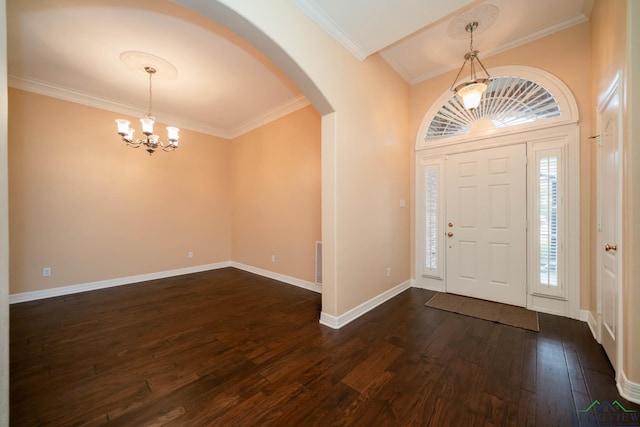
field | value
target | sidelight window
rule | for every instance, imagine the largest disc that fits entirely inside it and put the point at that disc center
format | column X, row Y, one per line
column 548, row 211
column 548, row 221
column 430, row 186
column 431, row 218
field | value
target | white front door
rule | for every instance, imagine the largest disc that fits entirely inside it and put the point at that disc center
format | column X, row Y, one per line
column 485, row 224
column 608, row 206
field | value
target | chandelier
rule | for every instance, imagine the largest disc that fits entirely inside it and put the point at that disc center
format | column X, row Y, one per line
column 470, row 92
column 150, row 140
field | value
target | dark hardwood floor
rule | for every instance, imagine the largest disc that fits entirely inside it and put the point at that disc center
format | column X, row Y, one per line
column 230, row 348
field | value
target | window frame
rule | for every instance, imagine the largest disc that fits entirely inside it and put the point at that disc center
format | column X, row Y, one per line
column 537, row 152
column 562, row 131
column 432, row 277
column 563, row 96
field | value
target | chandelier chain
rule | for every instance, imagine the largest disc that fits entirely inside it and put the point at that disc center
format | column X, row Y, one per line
column 150, row 94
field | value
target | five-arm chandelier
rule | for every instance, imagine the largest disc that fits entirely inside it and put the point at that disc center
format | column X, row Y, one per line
column 470, row 92
column 150, row 140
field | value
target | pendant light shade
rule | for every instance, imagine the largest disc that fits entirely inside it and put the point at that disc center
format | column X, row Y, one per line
column 470, row 92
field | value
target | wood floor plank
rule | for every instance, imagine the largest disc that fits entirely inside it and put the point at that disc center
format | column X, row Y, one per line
column 227, row 347
column 373, row 367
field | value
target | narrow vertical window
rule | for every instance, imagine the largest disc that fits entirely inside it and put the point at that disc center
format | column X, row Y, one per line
column 548, row 212
column 431, row 219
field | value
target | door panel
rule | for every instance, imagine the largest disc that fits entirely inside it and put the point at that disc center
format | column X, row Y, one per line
column 608, row 206
column 486, row 241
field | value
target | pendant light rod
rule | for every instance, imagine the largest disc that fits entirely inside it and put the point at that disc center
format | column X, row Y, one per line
column 470, row 92
column 151, row 72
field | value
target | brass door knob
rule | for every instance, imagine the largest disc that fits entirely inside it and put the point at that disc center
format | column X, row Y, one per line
column 450, row 234
column 450, row 224
column 609, row 247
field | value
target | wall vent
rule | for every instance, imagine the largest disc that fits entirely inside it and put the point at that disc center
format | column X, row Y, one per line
column 319, row 263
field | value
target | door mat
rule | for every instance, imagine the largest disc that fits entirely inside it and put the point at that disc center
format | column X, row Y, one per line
column 501, row 313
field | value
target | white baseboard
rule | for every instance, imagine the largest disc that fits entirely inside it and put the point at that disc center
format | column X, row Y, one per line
column 584, row 315
column 428, row 283
column 277, row 276
column 587, row 316
column 628, row 389
column 337, row 322
column 102, row 284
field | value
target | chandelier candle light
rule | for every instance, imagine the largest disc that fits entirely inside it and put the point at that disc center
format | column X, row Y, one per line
column 470, row 92
column 151, row 141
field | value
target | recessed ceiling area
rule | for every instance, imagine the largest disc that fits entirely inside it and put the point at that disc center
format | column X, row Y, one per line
column 366, row 27
column 223, row 86
column 413, row 37
column 71, row 49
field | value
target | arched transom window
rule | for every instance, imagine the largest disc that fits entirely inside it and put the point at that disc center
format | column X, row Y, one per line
column 508, row 101
column 516, row 99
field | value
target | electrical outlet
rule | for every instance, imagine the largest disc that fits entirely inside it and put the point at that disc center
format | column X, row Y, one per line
column 46, row 272
column 273, row 258
column 190, row 254
column 388, row 271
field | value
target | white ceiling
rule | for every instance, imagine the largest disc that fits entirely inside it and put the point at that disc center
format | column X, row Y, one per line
column 422, row 39
column 71, row 49
column 224, row 86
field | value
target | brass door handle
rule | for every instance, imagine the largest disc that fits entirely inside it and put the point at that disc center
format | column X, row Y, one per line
column 609, row 247
column 450, row 234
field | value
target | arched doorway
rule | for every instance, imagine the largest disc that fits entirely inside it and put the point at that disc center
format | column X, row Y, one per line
column 497, row 194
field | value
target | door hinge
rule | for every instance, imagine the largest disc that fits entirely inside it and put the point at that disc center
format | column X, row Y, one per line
column 599, row 309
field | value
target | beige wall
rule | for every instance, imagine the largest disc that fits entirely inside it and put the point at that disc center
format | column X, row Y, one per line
column 365, row 172
column 564, row 54
column 276, row 195
column 91, row 209
column 369, row 156
column 4, row 230
column 614, row 48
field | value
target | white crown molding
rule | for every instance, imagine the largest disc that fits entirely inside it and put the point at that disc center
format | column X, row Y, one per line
column 279, row 277
column 628, row 389
column 288, row 107
column 102, row 284
column 337, row 322
column 559, row 26
column 311, row 9
column 396, row 65
column 47, row 89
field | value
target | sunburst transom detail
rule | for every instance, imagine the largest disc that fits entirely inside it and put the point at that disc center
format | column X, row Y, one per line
column 508, row 101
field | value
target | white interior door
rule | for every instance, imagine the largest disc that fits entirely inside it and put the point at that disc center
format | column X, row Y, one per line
column 486, row 224
column 608, row 206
